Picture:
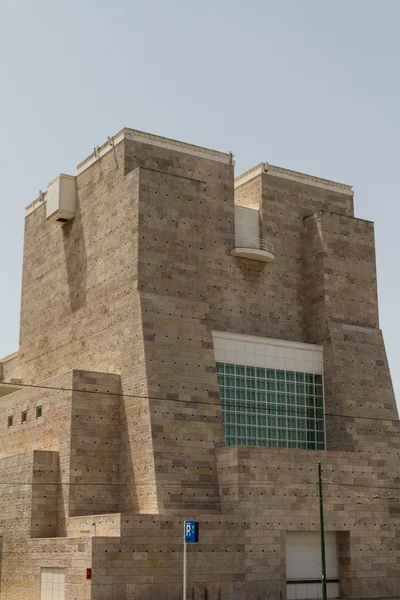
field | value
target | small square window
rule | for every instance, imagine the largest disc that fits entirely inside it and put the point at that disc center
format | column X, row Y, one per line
column 10, row 422
column 24, row 416
column 39, row 412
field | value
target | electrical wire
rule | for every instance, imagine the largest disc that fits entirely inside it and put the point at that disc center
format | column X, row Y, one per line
column 294, row 411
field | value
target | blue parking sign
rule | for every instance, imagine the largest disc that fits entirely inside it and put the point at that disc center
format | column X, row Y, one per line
column 191, row 532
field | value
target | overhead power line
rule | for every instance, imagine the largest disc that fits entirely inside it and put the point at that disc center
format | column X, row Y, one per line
column 286, row 410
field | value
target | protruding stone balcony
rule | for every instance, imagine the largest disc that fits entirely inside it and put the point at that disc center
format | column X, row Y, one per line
column 255, row 249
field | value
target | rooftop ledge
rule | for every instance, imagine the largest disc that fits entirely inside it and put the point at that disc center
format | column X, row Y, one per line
column 154, row 140
column 262, row 250
column 261, row 168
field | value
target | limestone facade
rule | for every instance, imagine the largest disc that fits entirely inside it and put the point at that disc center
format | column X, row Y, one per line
column 119, row 306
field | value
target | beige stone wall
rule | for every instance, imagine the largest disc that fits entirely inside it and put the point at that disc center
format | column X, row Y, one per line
column 277, row 491
column 95, row 321
column 47, row 433
column 28, row 514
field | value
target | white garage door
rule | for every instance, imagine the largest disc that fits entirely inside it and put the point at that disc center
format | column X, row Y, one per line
column 52, row 582
column 303, row 565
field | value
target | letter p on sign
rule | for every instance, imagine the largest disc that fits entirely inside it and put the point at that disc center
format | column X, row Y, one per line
column 191, row 532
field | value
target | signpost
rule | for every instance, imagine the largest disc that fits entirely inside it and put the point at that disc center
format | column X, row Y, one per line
column 322, row 531
column 190, row 536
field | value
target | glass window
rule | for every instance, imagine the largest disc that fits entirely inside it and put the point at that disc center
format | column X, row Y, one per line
column 269, row 407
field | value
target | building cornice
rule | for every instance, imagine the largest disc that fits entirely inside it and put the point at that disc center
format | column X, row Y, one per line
column 274, row 171
column 154, row 140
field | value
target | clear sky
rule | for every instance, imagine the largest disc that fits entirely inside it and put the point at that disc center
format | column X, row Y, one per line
column 310, row 85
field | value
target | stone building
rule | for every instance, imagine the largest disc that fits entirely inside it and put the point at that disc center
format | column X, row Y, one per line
column 191, row 346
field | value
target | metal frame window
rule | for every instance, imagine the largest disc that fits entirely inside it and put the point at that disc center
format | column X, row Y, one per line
column 271, row 407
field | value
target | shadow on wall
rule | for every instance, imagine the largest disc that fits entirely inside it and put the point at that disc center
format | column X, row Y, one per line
column 129, row 491
column 75, row 259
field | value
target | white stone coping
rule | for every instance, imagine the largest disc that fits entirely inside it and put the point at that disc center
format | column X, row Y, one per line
column 9, row 357
column 282, row 173
column 270, row 353
column 35, row 204
column 155, row 140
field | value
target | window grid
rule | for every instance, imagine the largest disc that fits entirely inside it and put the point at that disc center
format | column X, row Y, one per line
column 271, row 407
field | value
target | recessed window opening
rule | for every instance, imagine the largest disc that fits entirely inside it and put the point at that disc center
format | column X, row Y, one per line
column 39, row 412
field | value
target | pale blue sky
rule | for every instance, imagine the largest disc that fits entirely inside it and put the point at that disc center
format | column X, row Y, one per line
column 311, row 85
